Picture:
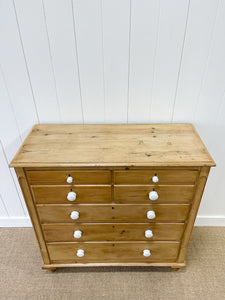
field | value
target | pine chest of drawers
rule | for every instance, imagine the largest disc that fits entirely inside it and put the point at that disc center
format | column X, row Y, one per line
column 113, row 195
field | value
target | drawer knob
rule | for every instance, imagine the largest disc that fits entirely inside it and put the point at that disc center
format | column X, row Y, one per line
column 77, row 234
column 69, row 179
column 71, row 196
column 153, row 195
column 80, row 252
column 151, row 214
column 155, row 179
column 148, row 234
column 146, row 252
column 74, row 215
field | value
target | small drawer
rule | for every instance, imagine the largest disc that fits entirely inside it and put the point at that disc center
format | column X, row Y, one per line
column 61, row 177
column 163, row 176
column 117, row 251
column 156, row 194
column 79, row 194
column 87, row 213
column 112, row 232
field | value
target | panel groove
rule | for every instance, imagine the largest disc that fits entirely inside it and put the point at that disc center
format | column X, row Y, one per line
column 25, row 60
column 3, row 205
column 181, row 57
column 15, row 188
column 206, row 65
column 155, row 54
column 11, row 106
column 52, row 68
column 77, row 60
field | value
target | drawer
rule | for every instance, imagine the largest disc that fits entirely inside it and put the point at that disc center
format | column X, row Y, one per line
column 118, row 251
column 84, row 194
column 53, row 213
column 113, row 232
column 164, row 176
column 60, row 177
column 165, row 194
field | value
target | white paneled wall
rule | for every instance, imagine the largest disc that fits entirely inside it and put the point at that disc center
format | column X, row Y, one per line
column 111, row 61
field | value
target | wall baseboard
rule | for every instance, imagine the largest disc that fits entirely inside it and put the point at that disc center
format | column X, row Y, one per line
column 15, row 222
column 25, row 221
column 210, row 221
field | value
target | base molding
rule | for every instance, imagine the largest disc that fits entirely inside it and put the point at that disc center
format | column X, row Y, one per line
column 25, row 221
column 110, row 264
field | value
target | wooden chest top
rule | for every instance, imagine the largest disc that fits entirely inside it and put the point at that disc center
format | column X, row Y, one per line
column 132, row 145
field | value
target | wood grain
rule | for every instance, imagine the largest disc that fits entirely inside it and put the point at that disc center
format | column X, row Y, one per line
column 112, row 189
column 117, row 251
column 84, row 194
column 113, row 264
column 33, row 213
column 60, row 176
column 113, row 232
column 113, row 145
column 193, row 212
column 166, row 193
column 168, row 176
column 60, row 213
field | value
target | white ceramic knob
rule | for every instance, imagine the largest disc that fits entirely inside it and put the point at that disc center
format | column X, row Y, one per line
column 153, row 195
column 77, row 234
column 71, row 196
column 151, row 214
column 155, row 179
column 148, row 234
column 80, row 252
column 69, row 179
column 146, row 252
column 74, row 215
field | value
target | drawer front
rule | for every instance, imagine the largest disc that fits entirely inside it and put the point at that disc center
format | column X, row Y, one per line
column 166, row 194
column 112, row 232
column 164, row 176
column 118, row 251
column 112, row 213
column 60, row 177
column 84, row 194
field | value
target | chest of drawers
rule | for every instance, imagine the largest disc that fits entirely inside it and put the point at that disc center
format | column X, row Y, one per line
column 113, row 195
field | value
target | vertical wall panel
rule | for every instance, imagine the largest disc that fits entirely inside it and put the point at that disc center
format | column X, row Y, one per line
column 32, row 26
column 213, row 86
column 10, row 138
column 87, row 14
column 64, row 57
column 210, row 115
column 3, row 211
column 172, row 22
column 214, row 196
column 144, row 29
column 14, row 68
column 96, row 61
column 8, row 191
column 198, row 43
column 9, row 133
column 116, row 29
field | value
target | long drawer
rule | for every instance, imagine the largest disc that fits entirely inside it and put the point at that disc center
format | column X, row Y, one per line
column 84, row 194
column 60, row 177
column 166, row 193
column 113, row 232
column 117, row 251
column 172, row 176
column 52, row 213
